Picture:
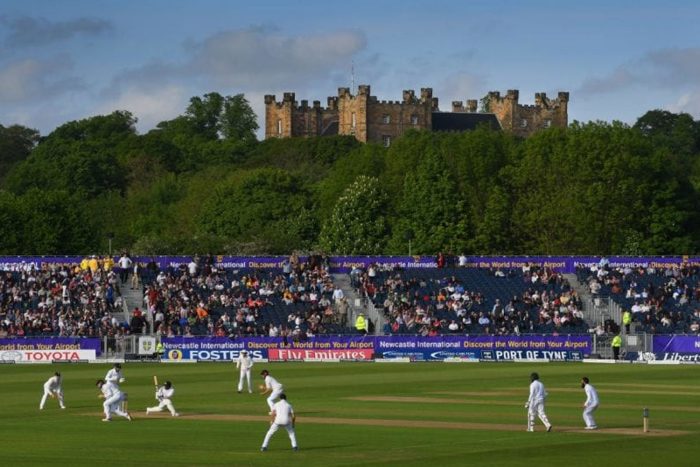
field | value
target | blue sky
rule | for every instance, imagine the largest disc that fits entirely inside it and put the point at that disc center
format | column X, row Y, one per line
column 71, row 59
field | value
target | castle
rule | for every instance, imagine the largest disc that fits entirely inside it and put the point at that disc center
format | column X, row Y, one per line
column 372, row 120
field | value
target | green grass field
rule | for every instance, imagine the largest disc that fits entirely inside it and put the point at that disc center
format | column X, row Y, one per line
column 357, row 414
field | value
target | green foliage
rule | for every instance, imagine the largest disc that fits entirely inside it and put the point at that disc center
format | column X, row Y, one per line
column 254, row 206
column 202, row 183
column 80, row 156
column 16, row 143
column 358, row 224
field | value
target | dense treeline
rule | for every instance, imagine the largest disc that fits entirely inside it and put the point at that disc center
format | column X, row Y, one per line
column 203, row 183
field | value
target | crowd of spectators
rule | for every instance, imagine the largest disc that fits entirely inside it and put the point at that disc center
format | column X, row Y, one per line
column 448, row 301
column 199, row 298
column 60, row 300
column 660, row 299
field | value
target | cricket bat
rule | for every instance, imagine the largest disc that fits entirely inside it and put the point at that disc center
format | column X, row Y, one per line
column 155, row 380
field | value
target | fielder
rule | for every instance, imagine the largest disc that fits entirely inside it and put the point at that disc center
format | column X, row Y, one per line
column 273, row 387
column 590, row 405
column 244, row 363
column 535, row 403
column 113, row 398
column 53, row 388
column 282, row 416
column 114, row 375
column 164, row 394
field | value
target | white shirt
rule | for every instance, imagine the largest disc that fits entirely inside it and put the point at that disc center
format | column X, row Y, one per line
column 125, row 262
column 283, row 412
column 244, row 362
column 537, row 392
column 110, row 390
column 53, row 384
column 272, row 383
column 163, row 393
column 113, row 376
column 591, row 396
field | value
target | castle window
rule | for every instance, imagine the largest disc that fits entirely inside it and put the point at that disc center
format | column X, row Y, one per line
column 547, row 123
column 353, row 121
column 386, row 140
column 386, row 119
column 523, row 123
column 414, row 119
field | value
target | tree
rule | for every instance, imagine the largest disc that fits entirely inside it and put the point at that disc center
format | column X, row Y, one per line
column 238, row 121
column 16, row 143
column 214, row 116
column 358, row 224
column 430, row 206
column 79, row 156
column 255, row 206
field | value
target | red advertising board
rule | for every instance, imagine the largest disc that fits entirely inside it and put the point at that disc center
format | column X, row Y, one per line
column 310, row 355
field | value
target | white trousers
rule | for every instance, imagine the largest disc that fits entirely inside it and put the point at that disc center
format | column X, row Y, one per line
column 113, row 405
column 163, row 404
column 245, row 374
column 273, row 429
column 47, row 394
column 536, row 409
column 588, row 415
column 273, row 397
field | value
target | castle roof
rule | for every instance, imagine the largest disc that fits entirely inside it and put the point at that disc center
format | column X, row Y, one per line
column 463, row 121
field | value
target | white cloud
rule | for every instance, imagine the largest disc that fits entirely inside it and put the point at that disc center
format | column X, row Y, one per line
column 31, row 80
column 662, row 68
column 150, row 107
column 256, row 57
column 618, row 79
column 689, row 103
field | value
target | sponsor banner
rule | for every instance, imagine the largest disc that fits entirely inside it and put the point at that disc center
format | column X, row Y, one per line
column 46, row 356
column 307, row 355
column 676, row 344
column 339, row 264
column 223, row 348
column 659, row 357
column 51, row 343
column 493, row 348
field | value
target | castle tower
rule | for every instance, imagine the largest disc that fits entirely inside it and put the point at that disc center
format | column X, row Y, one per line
column 352, row 112
column 278, row 116
column 505, row 108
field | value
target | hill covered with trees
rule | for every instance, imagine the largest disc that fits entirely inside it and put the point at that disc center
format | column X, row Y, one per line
column 203, row 183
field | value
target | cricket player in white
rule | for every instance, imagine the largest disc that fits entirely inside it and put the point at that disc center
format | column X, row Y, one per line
column 114, row 375
column 282, row 416
column 273, row 387
column 52, row 388
column 535, row 403
column 590, row 405
column 244, row 364
column 113, row 398
column 164, row 395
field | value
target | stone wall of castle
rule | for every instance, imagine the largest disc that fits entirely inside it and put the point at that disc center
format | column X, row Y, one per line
column 371, row 120
column 524, row 120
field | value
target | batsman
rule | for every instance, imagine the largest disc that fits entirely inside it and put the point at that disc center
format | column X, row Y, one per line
column 164, row 395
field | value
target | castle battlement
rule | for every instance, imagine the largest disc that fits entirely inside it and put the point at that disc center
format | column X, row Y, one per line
column 370, row 119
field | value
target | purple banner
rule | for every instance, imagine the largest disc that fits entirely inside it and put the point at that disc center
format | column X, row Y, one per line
column 485, row 347
column 339, row 264
column 51, row 343
column 680, row 344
